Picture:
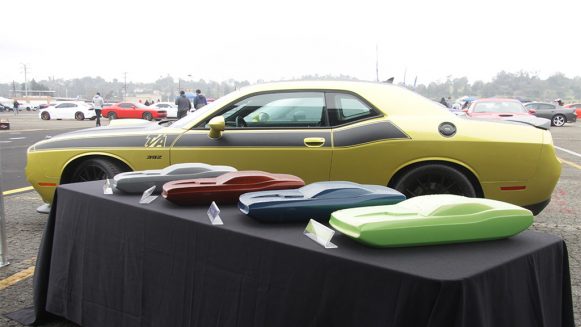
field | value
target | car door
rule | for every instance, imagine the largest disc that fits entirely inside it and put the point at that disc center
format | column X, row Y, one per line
column 545, row 110
column 56, row 110
column 125, row 110
column 62, row 110
column 279, row 132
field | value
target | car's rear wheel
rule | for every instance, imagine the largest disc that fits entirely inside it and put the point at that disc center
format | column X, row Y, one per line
column 95, row 169
column 147, row 116
column 434, row 179
column 558, row 120
column 79, row 116
column 45, row 116
column 112, row 115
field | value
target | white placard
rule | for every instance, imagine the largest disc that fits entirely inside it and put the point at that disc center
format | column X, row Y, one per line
column 147, row 198
column 320, row 233
column 214, row 214
column 107, row 187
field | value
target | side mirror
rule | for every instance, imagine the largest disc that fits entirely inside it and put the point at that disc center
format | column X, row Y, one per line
column 217, row 126
column 133, row 107
column 532, row 111
column 464, row 110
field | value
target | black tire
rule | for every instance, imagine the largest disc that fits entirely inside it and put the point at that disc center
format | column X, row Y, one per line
column 45, row 116
column 79, row 116
column 558, row 120
column 434, row 179
column 95, row 169
column 147, row 116
column 111, row 115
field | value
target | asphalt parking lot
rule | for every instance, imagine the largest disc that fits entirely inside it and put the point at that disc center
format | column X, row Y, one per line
column 24, row 226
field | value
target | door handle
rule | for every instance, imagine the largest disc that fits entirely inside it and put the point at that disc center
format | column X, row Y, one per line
column 314, row 142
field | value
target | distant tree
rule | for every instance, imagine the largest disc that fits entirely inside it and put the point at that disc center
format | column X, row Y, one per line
column 522, row 84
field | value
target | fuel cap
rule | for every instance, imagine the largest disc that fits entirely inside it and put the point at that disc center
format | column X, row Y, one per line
column 447, row 129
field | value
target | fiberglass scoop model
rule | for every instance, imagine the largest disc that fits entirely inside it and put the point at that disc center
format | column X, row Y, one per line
column 139, row 181
column 432, row 219
column 226, row 188
column 314, row 201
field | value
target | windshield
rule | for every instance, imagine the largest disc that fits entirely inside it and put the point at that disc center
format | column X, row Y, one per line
column 210, row 107
column 499, row 107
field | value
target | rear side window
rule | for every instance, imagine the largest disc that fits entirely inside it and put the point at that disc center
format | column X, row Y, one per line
column 543, row 106
column 346, row 108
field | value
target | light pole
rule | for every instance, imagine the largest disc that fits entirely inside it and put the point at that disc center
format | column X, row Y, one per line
column 25, row 81
column 3, row 241
column 125, row 80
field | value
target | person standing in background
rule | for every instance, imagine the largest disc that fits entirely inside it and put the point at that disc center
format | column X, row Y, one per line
column 199, row 100
column 15, row 106
column 98, row 105
column 184, row 104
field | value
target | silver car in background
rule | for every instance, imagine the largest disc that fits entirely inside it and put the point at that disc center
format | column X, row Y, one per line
column 169, row 107
column 557, row 114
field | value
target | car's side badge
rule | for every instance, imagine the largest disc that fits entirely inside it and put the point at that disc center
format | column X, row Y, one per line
column 447, row 129
column 155, row 141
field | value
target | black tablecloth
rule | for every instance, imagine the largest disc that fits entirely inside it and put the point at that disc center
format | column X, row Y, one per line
column 107, row 260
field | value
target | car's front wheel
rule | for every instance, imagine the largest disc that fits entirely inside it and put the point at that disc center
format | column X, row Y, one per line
column 112, row 115
column 95, row 169
column 79, row 116
column 147, row 116
column 558, row 120
column 434, row 179
column 45, row 116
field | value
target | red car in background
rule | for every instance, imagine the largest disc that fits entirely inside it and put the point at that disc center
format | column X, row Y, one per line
column 133, row 110
column 497, row 108
column 576, row 106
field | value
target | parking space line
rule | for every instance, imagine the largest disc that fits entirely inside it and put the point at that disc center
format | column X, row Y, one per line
column 570, row 163
column 568, row 151
column 17, row 190
column 19, row 276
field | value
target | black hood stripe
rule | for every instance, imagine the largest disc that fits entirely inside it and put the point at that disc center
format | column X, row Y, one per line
column 139, row 141
column 349, row 136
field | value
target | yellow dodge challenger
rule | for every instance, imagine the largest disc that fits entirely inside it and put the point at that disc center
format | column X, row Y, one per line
column 369, row 133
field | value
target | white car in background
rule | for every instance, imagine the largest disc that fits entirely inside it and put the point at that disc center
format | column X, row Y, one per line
column 78, row 110
column 171, row 108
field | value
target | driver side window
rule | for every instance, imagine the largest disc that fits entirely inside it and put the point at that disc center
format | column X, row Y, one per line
column 278, row 110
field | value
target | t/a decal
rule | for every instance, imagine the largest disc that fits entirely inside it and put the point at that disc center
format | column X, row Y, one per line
column 155, row 141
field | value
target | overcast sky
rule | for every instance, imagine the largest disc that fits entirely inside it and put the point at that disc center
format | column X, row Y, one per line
column 273, row 40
